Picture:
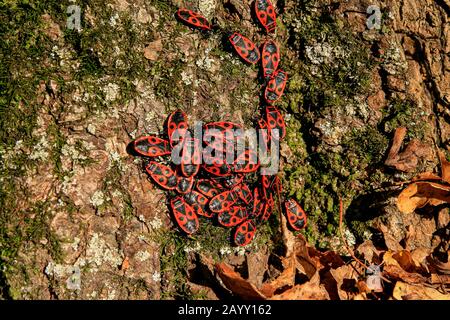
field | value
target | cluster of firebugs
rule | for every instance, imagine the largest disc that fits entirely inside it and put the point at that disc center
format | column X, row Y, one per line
column 214, row 188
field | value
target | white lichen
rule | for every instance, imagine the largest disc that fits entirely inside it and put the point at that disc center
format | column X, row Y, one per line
column 240, row 251
column 156, row 276
column 205, row 62
column 142, row 256
column 40, row 150
column 350, row 238
column 186, row 78
column 225, row 251
column 207, row 7
column 196, row 248
column 99, row 252
column 111, row 91
column 156, row 223
column 98, row 198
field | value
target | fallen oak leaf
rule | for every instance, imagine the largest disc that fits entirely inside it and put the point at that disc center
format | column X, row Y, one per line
column 305, row 264
column 439, row 266
column 346, row 278
column 439, row 279
column 397, row 273
column 311, row 290
column 236, row 284
column 286, row 279
column 419, row 194
column 405, row 291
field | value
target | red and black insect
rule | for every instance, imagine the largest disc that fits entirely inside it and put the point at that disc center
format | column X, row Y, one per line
column 275, row 120
column 270, row 58
column 258, row 204
column 264, row 136
column 150, row 146
column 184, row 215
column 276, row 86
column 296, row 216
column 232, row 181
column 246, row 162
column 246, row 49
column 245, row 233
column 193, row 19
column 199, row 203
column 268, row 208
column 206, row 187
column 191, row 157
column 220, row 170
column 184, row 184
column 266, row 182
column 265, row 12
column 232, row 217
column 223, row 201
column 177, row 127
column 220, row 131
column 163, row 175
column 244, row 193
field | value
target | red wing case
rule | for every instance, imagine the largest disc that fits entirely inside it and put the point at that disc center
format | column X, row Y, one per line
column 232, row 217
column 193, row 19
column 246, row 162
column 265, row 12
column 270, row 58
column 177, row 127
column 199, row 203
column 245, row 233
column 206, row 187
column 275, row 87
column 150, row 146
column 184, row 185
column 223, row 201
column 296, row 216
column 246, row 49
column 162, row 175
column 263, row 136
column 191, row 157
column 184, row 215
column 258, row 204
column 275, row 120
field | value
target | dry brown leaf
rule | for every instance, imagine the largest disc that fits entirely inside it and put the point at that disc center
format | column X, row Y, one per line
column 439, row 266
column 347, row 279
column 419, row 256
column 312, row 290
column 286, row 279
column 257, row 265
column 419, row 194
column 408, row 159
column 305, row 263
column 426, row 176
column 397, row 273
column 236, row 284
column 405, row 260
column 151, row 52
column 404, row 291
column 369, row 252
column 440, row 279
column 389, row 260
column 445, row 167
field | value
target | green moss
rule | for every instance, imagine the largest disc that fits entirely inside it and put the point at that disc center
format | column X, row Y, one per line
column 404, row 113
